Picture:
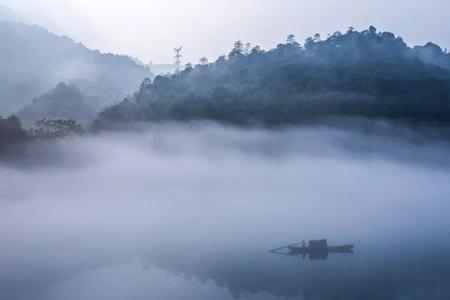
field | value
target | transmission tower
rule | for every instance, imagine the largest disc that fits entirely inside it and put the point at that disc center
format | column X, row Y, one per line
column 177, row 59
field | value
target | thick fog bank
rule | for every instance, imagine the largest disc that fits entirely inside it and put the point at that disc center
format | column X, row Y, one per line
column 348, row 138
column 123, row 215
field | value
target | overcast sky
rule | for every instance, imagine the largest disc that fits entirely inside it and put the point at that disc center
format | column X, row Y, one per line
column 149, row 29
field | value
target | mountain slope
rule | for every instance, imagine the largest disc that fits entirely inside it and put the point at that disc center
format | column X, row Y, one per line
column 365, row 74
column 62, row 102
column 34, row 60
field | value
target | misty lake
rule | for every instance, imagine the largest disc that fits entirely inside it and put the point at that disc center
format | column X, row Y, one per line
column 191, row 213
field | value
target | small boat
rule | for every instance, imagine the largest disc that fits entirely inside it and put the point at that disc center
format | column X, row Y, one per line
column 316, row 249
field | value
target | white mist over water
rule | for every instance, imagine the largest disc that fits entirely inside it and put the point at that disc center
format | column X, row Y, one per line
column 123, row 215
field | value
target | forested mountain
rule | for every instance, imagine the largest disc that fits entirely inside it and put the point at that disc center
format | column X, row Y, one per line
column 12, row 137
column 62, row 102
column 34, row 60
column 366, row 74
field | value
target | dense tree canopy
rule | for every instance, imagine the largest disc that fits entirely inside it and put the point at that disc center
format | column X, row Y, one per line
column 55, row 129
column 12, row 137
column 62, row 102
column 369, row 74
column 14, row 140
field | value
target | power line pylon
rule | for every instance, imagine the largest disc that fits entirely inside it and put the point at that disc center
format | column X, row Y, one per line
column 177, row 59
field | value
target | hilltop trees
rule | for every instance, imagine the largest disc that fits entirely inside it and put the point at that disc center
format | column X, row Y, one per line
column 365, row 74
column 62, row 102
column 237, row 50
column 12, row 136
column 55, row 129
column 14, row 139
column 203, row 61
column 291, row 39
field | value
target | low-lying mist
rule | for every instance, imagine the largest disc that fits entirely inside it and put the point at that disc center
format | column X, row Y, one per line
column 191, row 211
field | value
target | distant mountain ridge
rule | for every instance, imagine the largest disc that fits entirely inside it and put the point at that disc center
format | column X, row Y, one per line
column 64, row 102
column 34, row 60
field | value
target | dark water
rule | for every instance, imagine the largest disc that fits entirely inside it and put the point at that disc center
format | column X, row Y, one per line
column 192, row 214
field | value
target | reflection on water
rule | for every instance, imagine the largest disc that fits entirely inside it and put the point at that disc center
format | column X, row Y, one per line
column 156, row 216
column 315, row 250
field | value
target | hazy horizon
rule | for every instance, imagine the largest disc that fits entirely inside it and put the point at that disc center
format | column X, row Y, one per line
column 149, row 30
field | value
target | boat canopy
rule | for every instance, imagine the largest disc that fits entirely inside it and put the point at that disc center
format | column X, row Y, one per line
column 318, row 244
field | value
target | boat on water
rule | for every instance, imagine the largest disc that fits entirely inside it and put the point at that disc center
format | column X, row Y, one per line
column 315, row 249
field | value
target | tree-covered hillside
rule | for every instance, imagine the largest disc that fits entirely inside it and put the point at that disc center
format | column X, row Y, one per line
column 62, row 102
column 12, row 137
column 34, row 60
column 367, row 74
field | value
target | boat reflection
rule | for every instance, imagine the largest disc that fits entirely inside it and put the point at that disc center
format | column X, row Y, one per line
column 315, row 250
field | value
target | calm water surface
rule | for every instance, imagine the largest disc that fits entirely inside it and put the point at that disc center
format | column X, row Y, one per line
column 191, row 213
